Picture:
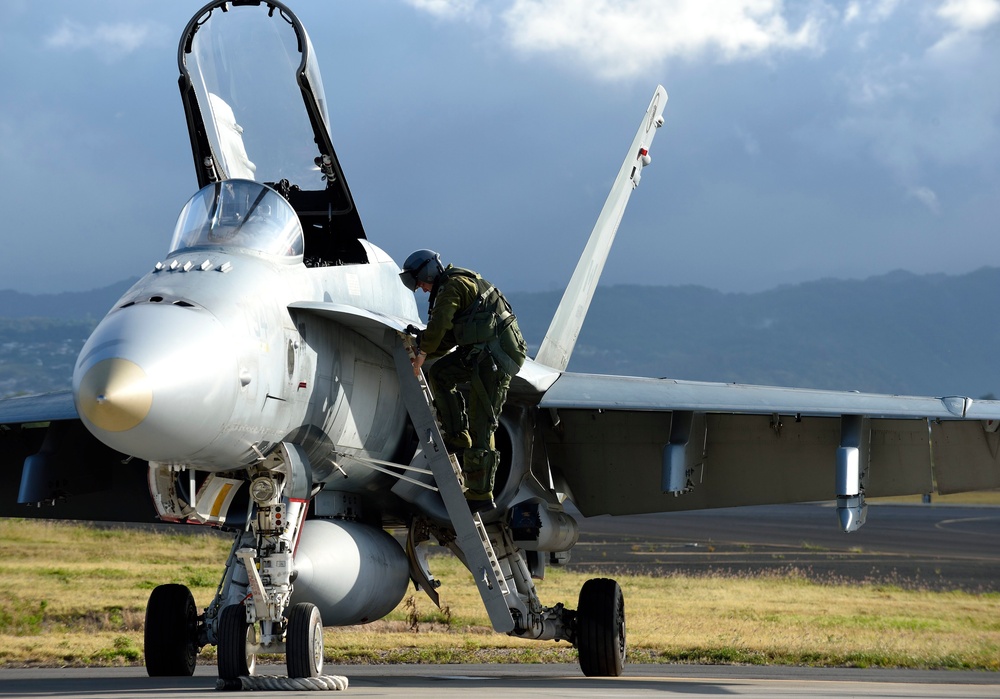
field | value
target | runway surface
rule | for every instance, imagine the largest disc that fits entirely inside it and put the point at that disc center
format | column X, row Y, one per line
column 934, row 546
column 549, row 681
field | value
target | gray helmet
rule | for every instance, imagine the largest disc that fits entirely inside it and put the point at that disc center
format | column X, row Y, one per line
column 420, row 266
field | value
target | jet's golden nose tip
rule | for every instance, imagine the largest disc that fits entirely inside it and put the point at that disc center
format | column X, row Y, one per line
column 115, row 395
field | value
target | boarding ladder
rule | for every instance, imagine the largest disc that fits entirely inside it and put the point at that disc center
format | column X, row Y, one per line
column 498, row 593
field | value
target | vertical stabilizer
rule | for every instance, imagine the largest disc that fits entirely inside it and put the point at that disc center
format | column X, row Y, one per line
column 561, row 336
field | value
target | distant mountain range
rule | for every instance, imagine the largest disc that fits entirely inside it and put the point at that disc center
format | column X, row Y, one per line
column 896, row 333
column 68, row 305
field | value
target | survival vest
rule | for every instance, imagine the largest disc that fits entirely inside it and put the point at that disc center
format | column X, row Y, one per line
column 485, row 320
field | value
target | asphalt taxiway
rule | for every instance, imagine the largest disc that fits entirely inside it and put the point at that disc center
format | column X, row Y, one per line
column 529, row 681
column 933, row 546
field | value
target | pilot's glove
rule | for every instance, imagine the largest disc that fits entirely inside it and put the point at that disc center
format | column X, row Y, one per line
column 412, row 329
column 418, row 361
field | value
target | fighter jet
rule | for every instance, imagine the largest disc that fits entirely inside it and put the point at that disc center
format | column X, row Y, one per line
column 257, row 379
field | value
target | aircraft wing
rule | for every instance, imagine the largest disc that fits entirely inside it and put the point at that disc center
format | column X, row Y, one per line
column 614, row 440
column 45, row 407
column 48, row 456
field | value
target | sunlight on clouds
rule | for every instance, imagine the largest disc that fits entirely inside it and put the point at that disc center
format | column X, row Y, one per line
column 622, row 38
column 970, row 15
column 113, row 39
column 966, row 17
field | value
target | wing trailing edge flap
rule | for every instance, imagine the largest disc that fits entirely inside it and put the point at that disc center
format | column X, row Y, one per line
column 611, row 439
column 966, row 455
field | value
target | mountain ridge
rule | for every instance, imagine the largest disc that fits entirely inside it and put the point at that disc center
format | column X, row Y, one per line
column 900, row 332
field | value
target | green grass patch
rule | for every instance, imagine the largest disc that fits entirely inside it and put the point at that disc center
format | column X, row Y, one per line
column 81, row 594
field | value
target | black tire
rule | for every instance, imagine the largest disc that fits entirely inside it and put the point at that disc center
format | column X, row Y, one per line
column 170, row 638
column 233, row 632
column 600, row 628
column 304, row 641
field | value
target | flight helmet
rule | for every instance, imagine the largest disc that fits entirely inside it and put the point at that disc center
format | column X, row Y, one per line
column 421, row 266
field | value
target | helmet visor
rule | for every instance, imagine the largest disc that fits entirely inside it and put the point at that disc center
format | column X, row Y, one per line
column 409, row 279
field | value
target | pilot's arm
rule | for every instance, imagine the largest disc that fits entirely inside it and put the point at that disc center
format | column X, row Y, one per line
column 437, row 339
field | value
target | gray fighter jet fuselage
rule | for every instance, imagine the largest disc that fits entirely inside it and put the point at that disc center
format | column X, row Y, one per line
column 203, row 364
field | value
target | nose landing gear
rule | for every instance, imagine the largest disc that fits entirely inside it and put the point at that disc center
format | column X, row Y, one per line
column 171, row 632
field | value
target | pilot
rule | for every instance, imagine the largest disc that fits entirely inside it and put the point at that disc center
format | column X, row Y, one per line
column 468, row 314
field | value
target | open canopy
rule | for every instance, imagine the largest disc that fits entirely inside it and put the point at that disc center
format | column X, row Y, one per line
column 256, row 110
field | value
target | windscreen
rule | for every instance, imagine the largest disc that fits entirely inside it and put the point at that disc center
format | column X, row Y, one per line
column 239, row 215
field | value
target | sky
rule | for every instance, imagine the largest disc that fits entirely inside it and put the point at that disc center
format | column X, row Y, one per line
column 802, row 139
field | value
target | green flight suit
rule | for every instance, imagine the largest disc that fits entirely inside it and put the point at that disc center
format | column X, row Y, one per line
column 469, row 315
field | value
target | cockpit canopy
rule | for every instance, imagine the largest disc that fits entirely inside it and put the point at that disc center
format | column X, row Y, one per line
column 256, row 110
column 239, row 214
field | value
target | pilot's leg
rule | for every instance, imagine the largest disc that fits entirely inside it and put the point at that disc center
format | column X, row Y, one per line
column 488, row 391
column 445, row 374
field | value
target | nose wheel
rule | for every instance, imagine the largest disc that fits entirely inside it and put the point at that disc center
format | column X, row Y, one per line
column 171, row 632
column 235, row 634
column 304, row 641
column 600, row 628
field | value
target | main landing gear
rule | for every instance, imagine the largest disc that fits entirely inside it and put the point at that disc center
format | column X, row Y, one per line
column 600, row 628
column 596, row 628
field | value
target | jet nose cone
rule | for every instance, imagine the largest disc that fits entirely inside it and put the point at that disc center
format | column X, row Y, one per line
column 158, row 382
column 115, row 394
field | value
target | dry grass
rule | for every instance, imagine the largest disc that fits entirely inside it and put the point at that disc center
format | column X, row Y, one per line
column 76, row 596
column 978, row 497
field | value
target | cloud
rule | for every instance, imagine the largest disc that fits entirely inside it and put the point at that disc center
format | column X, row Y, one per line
column 869, row 12
column 623, row 38
column 446, row 9
column 883, row 9
column 927, row 197
column 970, row 15
column 112, row 40
column 966, row 19
column 751, row 146
column 919, row 95
column 852, row 12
